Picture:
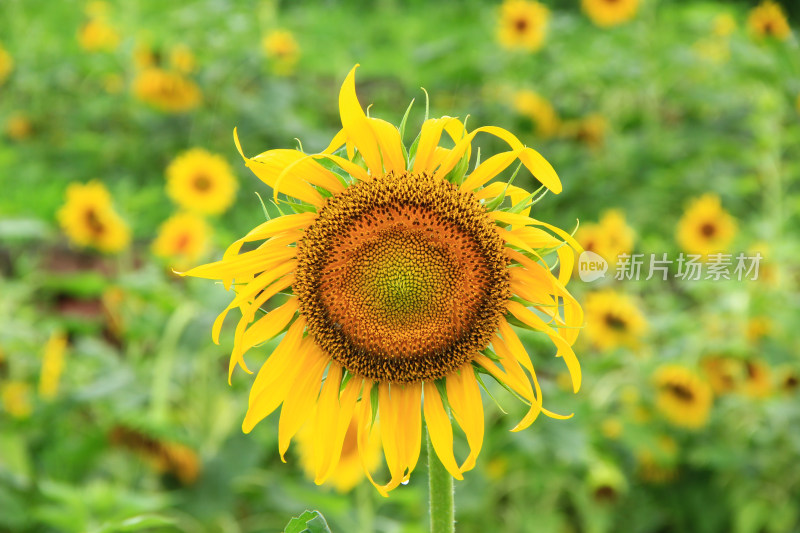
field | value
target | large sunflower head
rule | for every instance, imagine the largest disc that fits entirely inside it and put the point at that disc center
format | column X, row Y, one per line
column 89, row 219
column 768, row 20
column 613, row 319
column 706, row 227
column 399, row 275
column 201, row 182
column 682, row 396
column 523, row 24
column 607, row 13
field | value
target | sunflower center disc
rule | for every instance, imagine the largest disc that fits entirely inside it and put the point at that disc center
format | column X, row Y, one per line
column 402, row 278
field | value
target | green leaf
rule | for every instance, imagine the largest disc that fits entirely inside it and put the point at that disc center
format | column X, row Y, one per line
column 308, row 522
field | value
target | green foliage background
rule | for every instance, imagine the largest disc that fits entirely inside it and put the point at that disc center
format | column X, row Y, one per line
column 679, row 125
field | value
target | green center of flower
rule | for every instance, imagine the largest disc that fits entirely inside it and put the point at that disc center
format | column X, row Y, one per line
column 402, row 278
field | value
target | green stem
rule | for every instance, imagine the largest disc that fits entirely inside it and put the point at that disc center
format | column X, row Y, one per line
column 440, row 487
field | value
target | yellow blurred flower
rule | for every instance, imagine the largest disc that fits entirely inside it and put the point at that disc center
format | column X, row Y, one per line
column 768, row 20
column 349, row 471
column 724, row 25
column 758, row 327
column 705, row 227
column 683, row 397
column 17, row 399
column 88, row 218
column 282, row 51
column 657, row 463
column 165, row 456
column 713, row 49
column 52, row 365
column 182, row 238
column 611, row 428
column 97, row 35
column 589, row 130
column 19, row 127
column 182, row 59
column 523, row 24
column 607, row 13
column 497, row 468
column 6, row 64
column 606, row 482
column 609, row 238
column 166, row 91
column 757, row 379
column 789, row 379
column 612, row 320
column 536, row 108
column 143, row 56
column 724, row 374
column 201, row 182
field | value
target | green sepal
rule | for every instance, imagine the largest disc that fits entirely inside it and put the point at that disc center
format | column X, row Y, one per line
column 478, row 371
column 373, row 402
column 482, row 370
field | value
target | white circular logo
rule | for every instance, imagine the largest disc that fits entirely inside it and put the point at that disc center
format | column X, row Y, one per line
column 591, row 266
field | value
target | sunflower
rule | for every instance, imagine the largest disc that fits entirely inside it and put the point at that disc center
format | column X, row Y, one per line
column 538, row 110
column 201, row 182
column 16, row 397
column 724, row 25
column 768, row 20
column 612, row 320
column 89, row 219
column 523, row 25
column 724, row 374
column 165, row 90
column 683, row 397
column 403, row 269
column 349, row 472
column 165, row 456
column 6, row 64
column 609, row 238
column 658, row 461
column 757, row 379
column 607, row 483
column 182, row 59
column 52, row 365
column 19, row 127
column 182, row 238
column 607, row 13
column 589, row 130
column 706, row 227
column 282, row 51
column 97, row 35
column 789, row 379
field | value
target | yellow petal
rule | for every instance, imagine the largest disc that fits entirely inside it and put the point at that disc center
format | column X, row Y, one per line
column 356, row 125
column 464, row 397
column 276, row 376
column 488, row 169
column 440, row 429
column 301, row 399
column 347, row 404
column 429, row 136
column 297, row 165
column 348, row 166
column 268, row 326
column 528, row 317
column 391, row 146
column 267, row 168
